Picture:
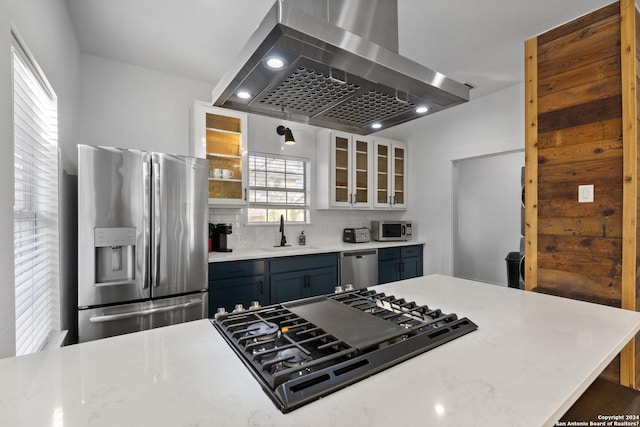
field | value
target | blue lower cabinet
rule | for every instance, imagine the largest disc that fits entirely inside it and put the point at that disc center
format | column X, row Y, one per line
column 237, row 282
column 410, row 267
column 388, row 270
column 399, row 263
column 298, row 277
column 287, row 286
column 322, row 281
column 289, row 278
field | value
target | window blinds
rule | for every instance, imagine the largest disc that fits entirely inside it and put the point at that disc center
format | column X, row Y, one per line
column 36, row 204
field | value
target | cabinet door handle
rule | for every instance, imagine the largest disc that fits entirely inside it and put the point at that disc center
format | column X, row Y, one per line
column 401, row 267
column 261, row 287
column 390, row 200
column 394, row 200
column 245, row 194
column 355, row 198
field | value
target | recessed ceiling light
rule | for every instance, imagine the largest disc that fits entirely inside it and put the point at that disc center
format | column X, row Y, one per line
column 422, row 109
column 243, row 94
column 274, row 62
column 376, row 125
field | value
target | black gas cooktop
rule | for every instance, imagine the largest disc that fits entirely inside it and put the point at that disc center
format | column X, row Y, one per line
column 302, row 350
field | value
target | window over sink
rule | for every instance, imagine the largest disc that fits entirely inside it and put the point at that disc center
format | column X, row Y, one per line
column 278, row 185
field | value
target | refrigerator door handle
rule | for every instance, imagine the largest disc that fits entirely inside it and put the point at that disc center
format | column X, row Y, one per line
column 146, row 280
column 114, row 283
column 122, row 316
column 156, row 225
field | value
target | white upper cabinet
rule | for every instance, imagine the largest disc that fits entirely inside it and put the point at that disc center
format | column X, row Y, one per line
column 390, row 174
column 344, row 166
column 220, row 136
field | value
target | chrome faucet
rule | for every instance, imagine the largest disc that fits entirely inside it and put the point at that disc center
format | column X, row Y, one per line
column 283, row 238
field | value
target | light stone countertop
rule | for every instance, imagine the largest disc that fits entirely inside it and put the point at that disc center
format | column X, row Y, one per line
column 274, row 252
column 531, row 358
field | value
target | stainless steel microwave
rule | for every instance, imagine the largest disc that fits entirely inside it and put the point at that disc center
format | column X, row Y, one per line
column 383, row 231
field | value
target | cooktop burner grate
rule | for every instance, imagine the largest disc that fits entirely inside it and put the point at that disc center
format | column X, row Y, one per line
column 302, row 350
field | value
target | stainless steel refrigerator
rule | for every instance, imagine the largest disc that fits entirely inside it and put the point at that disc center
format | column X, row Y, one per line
column 142, row 240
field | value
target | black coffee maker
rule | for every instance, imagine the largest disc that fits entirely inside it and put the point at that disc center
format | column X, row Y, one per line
column 219, row 236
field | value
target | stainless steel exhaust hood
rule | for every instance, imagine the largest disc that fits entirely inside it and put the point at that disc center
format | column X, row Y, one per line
column 334, row 64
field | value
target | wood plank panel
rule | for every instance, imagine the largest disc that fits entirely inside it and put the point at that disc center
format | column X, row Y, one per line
column 531, row 164
column 600, row 169
column 589, row 132
column 588, row 227
column 579, row 23
column 581, row 264
column 636, row 357
column 579, row 95
column 603, row 149
column 579, row 245
column 629, row 72
column 596, row 111
column 585, row 74
column 607, row 198
column 595, row 289
column 585, row 45
column 612, row 372
column 572, row 209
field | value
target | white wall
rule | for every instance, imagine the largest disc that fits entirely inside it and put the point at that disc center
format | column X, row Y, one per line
column 488, row 125
column 487, row 201
column 326, row 225
column 122, row 105
column 45, row 27
column 132, row 107
column 7, row 307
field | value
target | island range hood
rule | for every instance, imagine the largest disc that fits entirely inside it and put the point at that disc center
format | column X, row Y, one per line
column 334, row 64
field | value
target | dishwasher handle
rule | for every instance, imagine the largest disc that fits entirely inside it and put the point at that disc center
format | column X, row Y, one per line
column 360, row 254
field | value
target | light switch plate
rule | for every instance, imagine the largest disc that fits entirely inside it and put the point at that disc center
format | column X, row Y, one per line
column 585, row 193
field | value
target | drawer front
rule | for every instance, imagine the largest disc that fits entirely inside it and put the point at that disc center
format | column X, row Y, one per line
column 231, row 269
column 302, row 262
column 410, row 251
column 388, row 253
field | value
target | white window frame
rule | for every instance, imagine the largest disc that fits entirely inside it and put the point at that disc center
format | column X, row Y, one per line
column 275, row 209
column 36, row 225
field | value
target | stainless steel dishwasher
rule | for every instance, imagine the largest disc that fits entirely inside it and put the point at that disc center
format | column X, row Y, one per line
column 359, row 268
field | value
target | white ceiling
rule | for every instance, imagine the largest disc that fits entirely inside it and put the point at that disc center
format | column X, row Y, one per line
column 472, row 41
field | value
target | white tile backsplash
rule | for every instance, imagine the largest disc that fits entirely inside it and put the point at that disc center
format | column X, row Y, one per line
column 325, row 228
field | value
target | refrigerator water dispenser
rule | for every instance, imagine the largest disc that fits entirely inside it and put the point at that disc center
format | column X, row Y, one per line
column 115, row 255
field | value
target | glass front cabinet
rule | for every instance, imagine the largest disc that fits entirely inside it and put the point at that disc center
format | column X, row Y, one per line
column 344, row 170
column 390, row 171
column 220, row 136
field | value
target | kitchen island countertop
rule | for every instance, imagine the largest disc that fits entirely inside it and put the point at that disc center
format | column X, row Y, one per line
column 532, row 356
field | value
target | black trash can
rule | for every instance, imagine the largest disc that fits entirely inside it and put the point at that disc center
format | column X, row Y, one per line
column 513, row 269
